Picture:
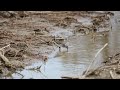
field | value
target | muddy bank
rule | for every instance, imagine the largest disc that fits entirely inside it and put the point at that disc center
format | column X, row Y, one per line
column 35, row 35
column 110, row 69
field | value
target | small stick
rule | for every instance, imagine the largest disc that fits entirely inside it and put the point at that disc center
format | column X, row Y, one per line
column 94, row 60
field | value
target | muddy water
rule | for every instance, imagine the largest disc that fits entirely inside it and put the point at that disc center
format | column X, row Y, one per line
column 81, row 53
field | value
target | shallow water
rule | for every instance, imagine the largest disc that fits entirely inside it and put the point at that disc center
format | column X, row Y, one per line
column 81, row 52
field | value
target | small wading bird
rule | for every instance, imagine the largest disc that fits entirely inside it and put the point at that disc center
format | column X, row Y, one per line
column 94, row 30
column 45, row 59
column 63, row 45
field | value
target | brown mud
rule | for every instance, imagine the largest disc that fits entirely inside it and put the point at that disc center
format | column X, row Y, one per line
column 31, row 35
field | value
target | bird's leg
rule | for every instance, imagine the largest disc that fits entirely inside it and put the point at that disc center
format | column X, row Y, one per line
column 94, row 36
column 59, row 49
column 67, row 48
column 74, row 32
column 54, row 38
column 44, row 68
